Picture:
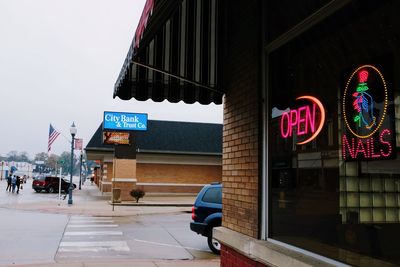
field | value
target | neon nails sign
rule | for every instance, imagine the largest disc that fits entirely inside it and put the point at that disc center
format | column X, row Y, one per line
column 306, row 120
column 366, row 138
column 368, row 148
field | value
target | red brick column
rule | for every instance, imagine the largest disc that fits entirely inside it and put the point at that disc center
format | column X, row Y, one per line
column 240, row 160
column 231, row 258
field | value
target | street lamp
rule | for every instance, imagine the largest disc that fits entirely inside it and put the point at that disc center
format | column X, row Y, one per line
column 72, row 130
column 80, row 172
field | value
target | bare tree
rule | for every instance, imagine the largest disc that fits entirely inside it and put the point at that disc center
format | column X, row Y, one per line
column 42, row 156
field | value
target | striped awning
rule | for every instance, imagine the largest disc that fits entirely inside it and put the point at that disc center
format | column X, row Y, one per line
column 174, row 54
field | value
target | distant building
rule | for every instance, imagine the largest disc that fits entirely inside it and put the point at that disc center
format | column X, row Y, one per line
column 170, row 157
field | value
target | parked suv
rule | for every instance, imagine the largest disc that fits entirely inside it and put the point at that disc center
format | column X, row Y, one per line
column 207, row 214
column 50, row 184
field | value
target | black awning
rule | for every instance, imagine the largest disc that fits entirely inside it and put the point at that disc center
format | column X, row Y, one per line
column 174, row 55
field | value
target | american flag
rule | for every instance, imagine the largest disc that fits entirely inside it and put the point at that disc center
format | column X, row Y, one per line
column 53, row 134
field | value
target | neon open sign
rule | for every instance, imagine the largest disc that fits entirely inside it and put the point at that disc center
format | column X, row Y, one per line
column 305, row 122
column 365, row 106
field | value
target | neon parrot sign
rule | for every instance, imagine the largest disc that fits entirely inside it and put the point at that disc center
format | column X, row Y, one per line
column 368, row 134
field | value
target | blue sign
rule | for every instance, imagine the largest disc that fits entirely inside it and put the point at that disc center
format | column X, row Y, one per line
column 124, row 121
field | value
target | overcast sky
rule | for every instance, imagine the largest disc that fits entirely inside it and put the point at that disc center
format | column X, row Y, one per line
column 59, row 60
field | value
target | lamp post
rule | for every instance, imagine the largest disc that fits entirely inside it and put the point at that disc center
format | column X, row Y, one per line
column 80, row 174
column 72, row 130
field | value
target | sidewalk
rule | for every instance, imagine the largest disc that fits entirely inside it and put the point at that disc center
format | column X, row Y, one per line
column 133, row 263
column 90, row 201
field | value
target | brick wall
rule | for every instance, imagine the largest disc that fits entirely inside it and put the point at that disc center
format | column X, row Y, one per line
column 109, row 167
column 170, row 189
column 126, row 188
column 177, row 173
column 240, row 173
column 231, row 258
column 125, row 168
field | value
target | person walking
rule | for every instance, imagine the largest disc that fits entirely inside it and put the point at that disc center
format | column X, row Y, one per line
column 18, row 183
column 8, row 183
column 13, row 182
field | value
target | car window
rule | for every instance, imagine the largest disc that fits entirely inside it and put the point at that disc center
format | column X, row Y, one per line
column 213, row 195
column 40, row 178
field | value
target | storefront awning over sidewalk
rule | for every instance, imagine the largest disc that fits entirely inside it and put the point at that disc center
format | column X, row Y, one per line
column 174, row 54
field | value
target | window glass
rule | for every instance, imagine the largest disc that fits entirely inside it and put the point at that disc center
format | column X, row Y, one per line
column 334, row 128
column 213, row 195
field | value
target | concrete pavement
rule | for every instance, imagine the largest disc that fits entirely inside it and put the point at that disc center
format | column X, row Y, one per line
column 89, row 201
column 134, row 263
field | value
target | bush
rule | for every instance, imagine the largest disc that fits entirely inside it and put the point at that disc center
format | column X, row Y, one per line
column 137, row 194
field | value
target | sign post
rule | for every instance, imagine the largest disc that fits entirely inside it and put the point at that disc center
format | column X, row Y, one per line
column 59, row 188
column 2, row 168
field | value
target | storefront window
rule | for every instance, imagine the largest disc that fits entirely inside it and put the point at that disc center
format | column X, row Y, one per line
column 334, row 128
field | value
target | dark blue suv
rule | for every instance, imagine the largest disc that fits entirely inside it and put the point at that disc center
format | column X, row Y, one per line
column 207, row 214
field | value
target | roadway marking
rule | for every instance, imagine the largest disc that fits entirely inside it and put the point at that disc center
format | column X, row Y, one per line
column 168, row 245
column 90, row 221
column 95, row 246
column 92, row 233
column 91, row 225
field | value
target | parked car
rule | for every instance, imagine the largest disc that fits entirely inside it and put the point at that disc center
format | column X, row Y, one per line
column 50, row 184
column 207, row 214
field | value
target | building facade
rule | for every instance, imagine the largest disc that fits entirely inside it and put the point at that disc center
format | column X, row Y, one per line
column 311, row 128
column 170, row 157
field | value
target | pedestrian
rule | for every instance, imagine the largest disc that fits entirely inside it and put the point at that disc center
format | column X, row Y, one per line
column 13, row 182
column 8, row 183
column 18, row 183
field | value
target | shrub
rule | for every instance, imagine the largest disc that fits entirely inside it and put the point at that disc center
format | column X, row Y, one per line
column 137, row 194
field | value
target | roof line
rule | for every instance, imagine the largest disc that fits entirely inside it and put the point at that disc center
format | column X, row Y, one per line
column 99, row 149
column 178, row 152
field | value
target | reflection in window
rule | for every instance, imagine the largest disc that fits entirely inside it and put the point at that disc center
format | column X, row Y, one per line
column 348, row 210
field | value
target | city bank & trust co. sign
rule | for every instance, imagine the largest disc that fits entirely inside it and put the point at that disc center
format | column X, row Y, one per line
column 368, row 133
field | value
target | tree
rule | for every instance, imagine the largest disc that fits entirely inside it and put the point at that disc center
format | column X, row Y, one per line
column 52, row 161
column 19, row 157
column 42, row 156
column 12, row 155
column 65, row 162
column 23, row 157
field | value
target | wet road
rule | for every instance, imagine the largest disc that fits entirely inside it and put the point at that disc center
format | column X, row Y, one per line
column 28, row 237
column 34, row 237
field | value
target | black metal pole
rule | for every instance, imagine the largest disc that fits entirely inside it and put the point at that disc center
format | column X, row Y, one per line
column 72, row 168
column 80, row 174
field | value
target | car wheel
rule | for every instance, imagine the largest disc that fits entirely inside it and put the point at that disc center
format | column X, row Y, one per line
column 213, row 243
column 37, row 190
column 50, row 190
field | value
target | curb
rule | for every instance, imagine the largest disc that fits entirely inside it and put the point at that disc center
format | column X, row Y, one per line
column 150, row 204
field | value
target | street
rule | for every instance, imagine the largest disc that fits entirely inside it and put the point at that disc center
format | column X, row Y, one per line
column 37, row 229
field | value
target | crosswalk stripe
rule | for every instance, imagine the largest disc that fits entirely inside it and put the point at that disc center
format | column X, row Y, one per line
column 81, row 228
column 91, row 225
column 94, row 246
column 90, row 221
column 92, row 233
column 90, row 218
